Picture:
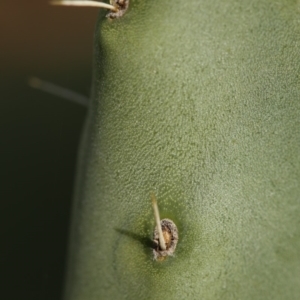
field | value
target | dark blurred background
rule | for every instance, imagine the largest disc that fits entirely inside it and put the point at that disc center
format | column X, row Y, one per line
column 39, row 140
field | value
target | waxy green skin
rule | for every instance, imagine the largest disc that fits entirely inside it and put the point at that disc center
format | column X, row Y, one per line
column 198, row 102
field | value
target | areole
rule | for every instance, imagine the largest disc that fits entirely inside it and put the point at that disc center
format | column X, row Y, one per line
column 117, row 7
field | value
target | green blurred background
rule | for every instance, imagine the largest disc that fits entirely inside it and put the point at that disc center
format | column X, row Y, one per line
column 39, row 140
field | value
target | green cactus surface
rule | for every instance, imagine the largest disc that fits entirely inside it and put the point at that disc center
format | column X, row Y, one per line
column 198, row 102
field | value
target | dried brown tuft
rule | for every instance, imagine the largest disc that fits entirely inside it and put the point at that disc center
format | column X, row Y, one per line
column 170, row 234
column 121, row 5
